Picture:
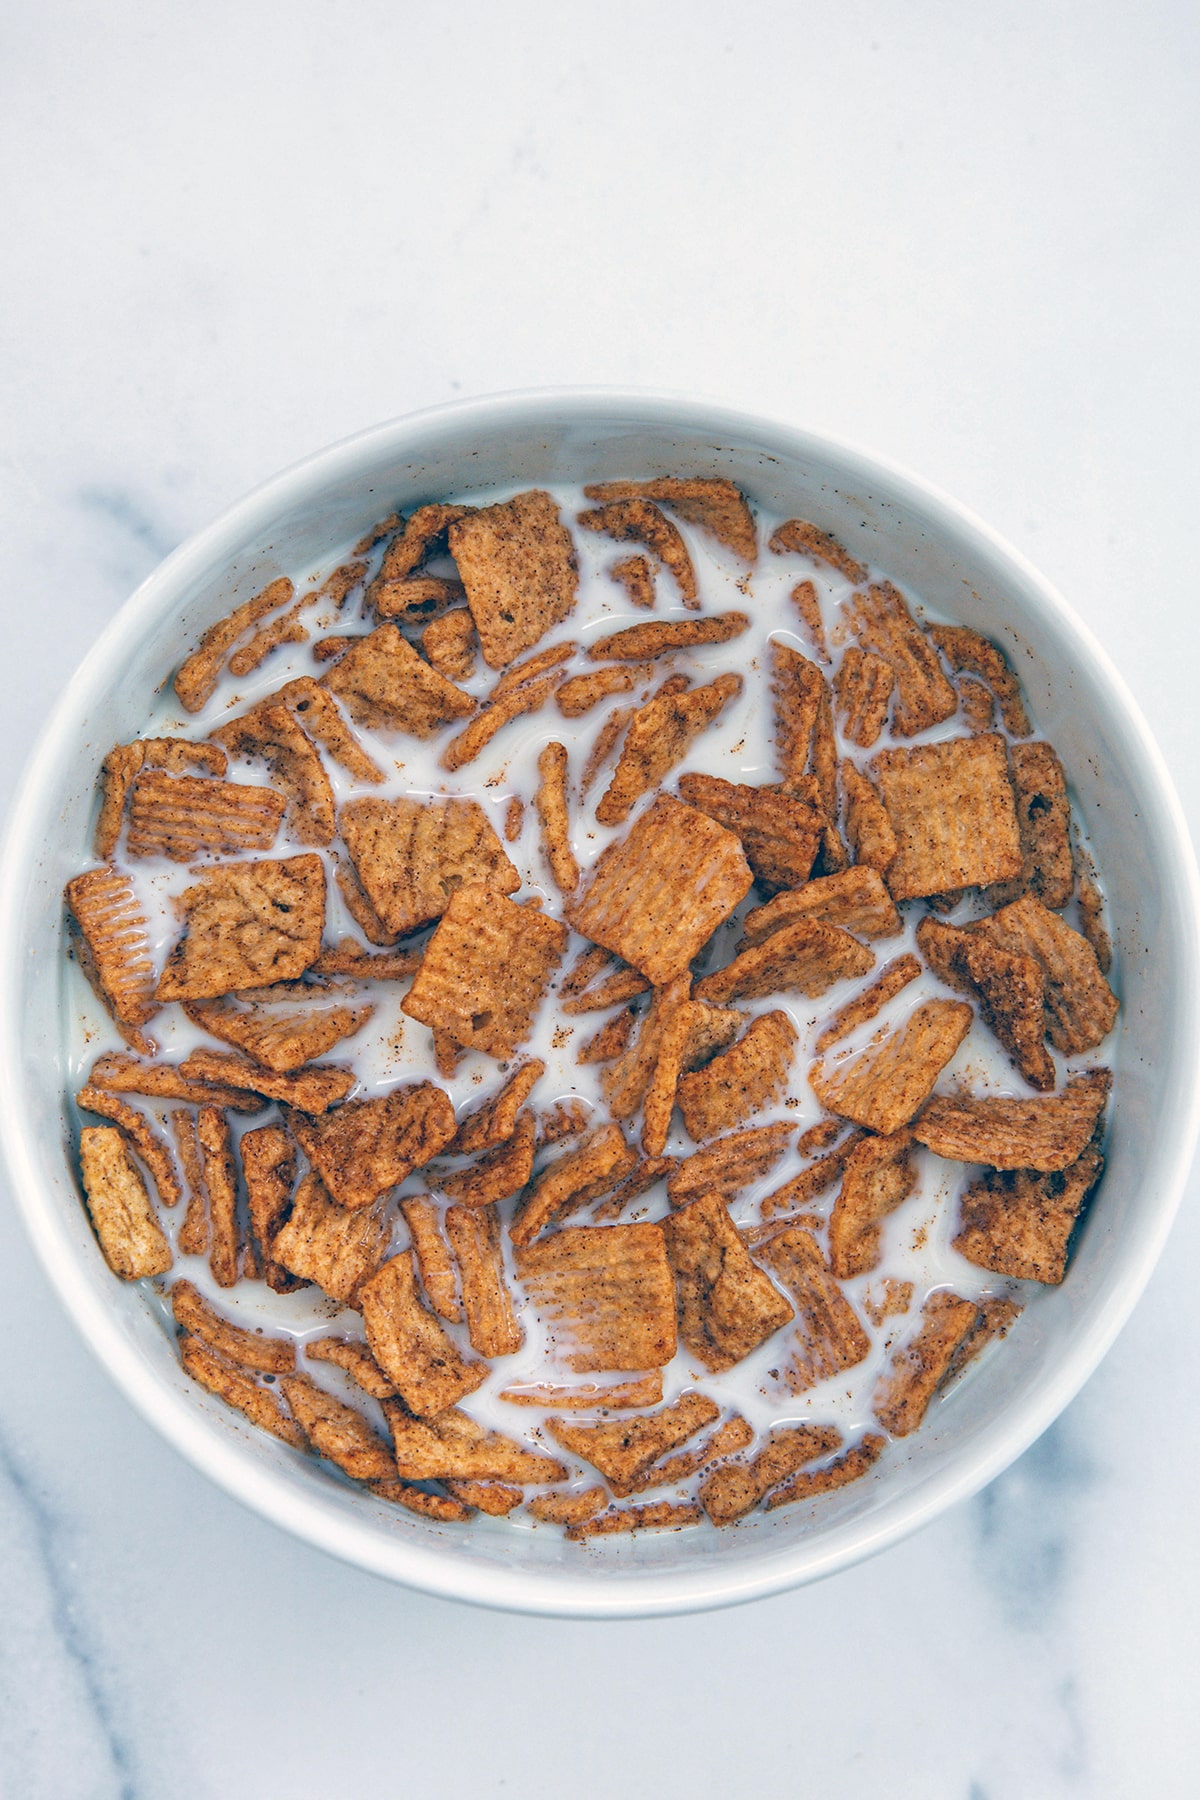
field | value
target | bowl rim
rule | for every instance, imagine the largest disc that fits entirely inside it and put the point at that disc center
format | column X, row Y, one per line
column 557, row 1592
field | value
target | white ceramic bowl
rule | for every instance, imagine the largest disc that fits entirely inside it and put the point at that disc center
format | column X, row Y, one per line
column 951, row 561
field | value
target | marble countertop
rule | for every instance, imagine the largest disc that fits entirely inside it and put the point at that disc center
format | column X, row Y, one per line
column 966, row 239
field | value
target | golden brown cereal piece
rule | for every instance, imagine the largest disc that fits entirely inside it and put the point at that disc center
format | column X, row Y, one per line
column 410, row 1345
column 648, row 1172
column 626, row 1082
column 822, row 546
column 435, row 1264
column 324, row 1243
column 951, row 807
column 732, row 1435
column 819, row 1136
column 450, row 644
column 839, row 1473
column 385, row 685
column 271, row 731
column 829, row 1336
column 249, row 1349
column 499, row 1172
column 142, row 1137
column 730, row 1164
column 780, row 835
column 551, row 803
column 641, row 522
column 622, row 985
column 237, row 1390
column 811, row 1182
column 120, row 1074
column 637, row 578
column 1091, row 912
column 606, row 1293
column 286, row 628
column 803, row 715
column 611, row 1039
column 804, row 599
column 197, row 678
column 887, row 1298
column 863, row 690
column 1009, row 986
column 359, row 906
column 856, row 899
column 893, row 978
column 410, row 856
column 966, row 649
column 487, row 1304
column 692, row 1033
column 328, row 649
column 563, row 1508
column 1081, row 1008
column 736, row 1488
column 114, row 938
column 994, row 1320
column 883, row 624
column 727, row 1307
column 501, row 709
column 640, row 643
column 920, row 1367
column 1046, row 1134
column 130, row 1235
column 978, row 704
column 352, row 1355
column 565, row 1119
column 657, row 1515
column 804, row 958
column 182, row 817
column 178, row 756
column 442, row 1507
column 451, row 1444
column 605, row 742
column 579, row 693
column 1044, row 822
column 367, row 1146
column 886, row 1084
column 385, row 528
column 741, row 1080
column 419, row 596
column 193, row 1233
column 317, row 711
column 626, row 1449
column 350, row 958
column 337, row 1431
column 709, row 501
column 659, row 736
column 518, row 565
column 486, row 970
column 497, row 1118
column 658, row 894
column 246, row 924
column 617, row 1396
column 419, row 536
column 514, row 818
column 255, row 1021
column 492, row 1497
column 1019, row 1223
column 868, row 826
column 601, row 1160
column 538, row 664
column 269, row 1168
column 312, row 1089
column 879, row 1176
column 220, row 1181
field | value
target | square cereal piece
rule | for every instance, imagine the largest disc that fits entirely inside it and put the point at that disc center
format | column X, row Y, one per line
column 518, row 565
column 281, row 1027
column 184, row 816
column 920, row 1367
column 474, row 1234
column 1009, row 986
column 498, row 1172
column 271, row 731
column 734, row 1490
column 410, row 1345
column 878, row 1177
column 730, row 1164
column 1081, row 1008
column 886, row 1084
column 829, row 1336
column 801, row 958
column 658, row 737
column 411, row 855
column 451, row 1446
column 365, row 1147
column 1019, row 1223
column 385, row 685
column 597, row 1164
column 246, row 924
column 626, row 1449
column 727, row 1307
column 741, row 1080
column 605, row 1294
column 658, row 894
column 780, row 834
column 1046, row 1134
column 486, row 970
column 856, row 899
column 1044, row 822
column 952, row 808
column 324, row 1243
column 130, row 1235
column 883, row 624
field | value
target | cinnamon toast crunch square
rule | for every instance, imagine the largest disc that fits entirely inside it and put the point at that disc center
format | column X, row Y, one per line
column 186, row 816
column 732, row 1491
column 727, row 1306
column 780, row 834
column 751, row 1074
column 367, row 1146
column 952, row 808
column 1046, row 1134
column 328, row 1244
column 411, row 855
column 409, row 1343
column 604, row 1294
column 886, row 1084
column 828, row 1336
column 729, row 1164
column 518, row 565
column 803, row 958
column 246, row 924
column 856, row 899
column 1008, row 985
column 594, row 1167
column 1081, row 1008
column 115, row 945
column 1018, row 1222
column 271, row 731
column 129, row 1233
column 486, row 970
column 451, row 1445
column 282, row 1027
column 385, row 685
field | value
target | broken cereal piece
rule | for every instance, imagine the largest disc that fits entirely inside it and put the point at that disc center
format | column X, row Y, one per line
column 350, row 958
column 804, row 598
column 114, row 947
column 317, row 711
column 691, row 1033
column 736, row 1488
column 120, row 1074
column 883, row 624
column 286, row 628
column 442, row 1507
column 486, row 970
column 863, row 690
column 385, row 685
column 193, row 1233
column 450, row 644
column 641, row 643
column 178, row 756
column 779, row 834
column 868, row 826
column 809, row 540
column 312, row 1089
column 475, row 1237
column 601, row 1160
column 196, row 679
column 514, row 818
column 611, row 1039
column 418, row 537
column 709, row 501
column 337, row 1431
column 657, row 1515
column 352, row 1355
column 359, row 907
column 893, row 978
column 725, row 1167
column 141, row 1135
column 130, row 1235
column 637, row 578
column 410, row 1345
column 886, row 1084
column 829, row 1336
column 804, row 958
column 732, row 1435
column 220, row 1182
column 727, row 1307
column 1009, row 986
column 803, row 717
column 1081, row 1008
column 451, row 1444
column 879, row 1176
column 919, row 1367
column 951, row 807
column 499, row 1172
column 978, row 704
column 606, row 1294
column 269, row 1169
column 837, row 1474
column 617, row 1396
column 1019, row 1223
column 249, row 1349
column 246, row 924
column 618, row 988
column 579, row 693
column 811, row 1182
column 551, row 803
column 523, row 690
column 237, row 1390
column 626, row 1081
column 856, row 899
column 741, row 1080
column 626, row 1449
column 1047, row 1134
column 563, row 1508
column 329, row 1245
column 497, row 1118
column 887, row 1298
column 494, row 1497
column 182, row 817
column 271, row 731
column 565, row 1119
column 966, row 649
column 411, row 855
column 1091, row 911
column 648, row 1173
column 435, row 1263
column 275, row 1033
column 518, row 565
column 641, row 522
column 365, row 1147
column 659, row 735
column 1044, row 823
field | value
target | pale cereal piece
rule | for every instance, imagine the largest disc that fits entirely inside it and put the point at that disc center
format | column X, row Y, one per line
column 732, row 1435
column 736, row 1488
column 338, row 1432
column 142, row 1137
column 1019, row 1223
column 499, row 1172
column 883, row 624
column 621, row 986
column 558, row 1507
column 978, row 704
column 779, row 834
column 952, row 809
column 451, row 1444
column 442, row 1507
column 435, row 1263
column 247, row 924
column 709, row 501
column 130, row 1236
column 730, row 1164
column 691, row 1034
column 121, row 1074
column 611, row 1039
column 248, row 1349
column 220, row 1182
column 727, row 1307
column 278, row 1040
column 193, row 1237
column 352, row 959
column 855, row 899
column 419, row 597
column 352, row 1355
column 868, row 827
column 804, row 958
column 801, row 694
column 885, row 1085
column 410, row 855
column 317, row 711
column 196, row 679
column 497, row 1118
column 1091, row 911
column 354, row 897
column 887, row 1298
column 268, row 1158
column 811, row 1182
column 551, row 803
column 498, row 711
column 637, row 578
column 829, row 1336
column 492, row 1497
column 606, row 1293
column 659, row 735
column 487, row 1305
column 1044, row 823
column 1010, row 988
column 115, row 939
column 410, row 1345
column 324, row 1243
column 641, row 643
column 486, row 970
column 579, row 693
column 237, row 1390
column 182, row 817
column 863, row 690
column 657, row 895
column 1046, row 1134
column 626, row 1449
column 518, row 565
column 286, row 628
column 920, row 1367
column 1081, row 1008
column 604, row 744
column 966, row 649
column 740, row 1081
column 837, row 1474
column 367, row 1146
column 565, row 1119
column 601, row 1160
column 312, row 1089
column 638, row 521
column 809, row 540
column 893, row 978
column 648, row 1173
column 879, row 1176
column 626, row 1082
column 272, row 732
column 450, row 644
column 804, row 599
column 385, row 685
column 616, row 1396
column 656, row 1515
column 418, row 537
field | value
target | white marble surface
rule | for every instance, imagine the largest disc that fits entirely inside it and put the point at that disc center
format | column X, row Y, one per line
column 965, row 237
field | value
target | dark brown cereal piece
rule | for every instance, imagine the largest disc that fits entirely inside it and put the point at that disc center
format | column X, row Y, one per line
column 885, row 1085
column 499, row 1172
column 337, row 1431
column 920, row 1367
column 779, row 834
column 727, row 1307
column 487, row 1305
column 1047, row 1134
column 423, row 532
column 809, row 540
column 551, row 803
column 286, row 628
column 659, row 735
column 611, row 1039
column 313, row 1089
column 966, row 649
column 1044, row 822
column 384, row 528
column 640, row 522
column 130, row 1236
column 502, row 707
column 626, row 1449
column 239, row 1391
column 804, row 599
column 281, row 1027
column 709, row 501
column 579, row 693
column 605, row 1292
column 184, row 816
column 193, row 1233
column 804, row 958
column 352, row 1356
column 220, row 1182
column 419, row 597
column 486, row 970
column 367, row 1146
column 384, row 684
column 329, row 1245
column 730, row 1436
column 892, row 979
column 142, row 1137
column 410, row 856
column 1019, row 1223
column 246, row 924
column 863, row 690
column 856, row 899
column 879, row 1176
column 1081, row 1008
column 1009, row 986
column 868, row 827
column 442, row 1507
column 435, row 1263
column 328, row 649
column 451, row 1444
column 829, row 1336
column 518, row 565
column 601, row 1160
column 803, row 716
column 196, row 679
column 317, row 711
column 347, row 957
column 741, row 1080
column 729, row 1164
column 271, row 731
column 837, row 1474
column 735, row 1489
column 450, row 644
column 656, row 1515
column 497, row 1118
column 883, row 624
column 121, row 1074
column 354, row 897
column 584, row 970
column 819, row 1136
column 637, row 578
column 249, row 1349
column 615, row 990
column 410, row 1345
column 952, row 809
column 640, row 643
column 562, row 1508
column 114, row 947
column 269, row 1169
column 887, row 1298
column 616, row 1396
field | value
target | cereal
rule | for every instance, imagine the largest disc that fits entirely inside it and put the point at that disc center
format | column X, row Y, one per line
column 711, row 502
column 641, row 522
column 411, row 855
column 497, row 1119
column 606, row 1293
column 337, row 1431
column 729, row 1164
column 892, row 979
column 731, row 1435
column 385, row 685
column 328, row 1244
column 803, row 716
column 863, row 690
column 611, row 1039
column 193, row 1233
column 1018, row 1222
column 649, row 1172
column 658, row 1515
column 811, row 1182
column 367, row 1146
column 286, row 628
column 627, row 1081
column 487, row 1305
column 1008, row 985
column 246, row 925
column 518, row 565
column 951, row 807
column 883, row 1087
column 822, row 546
column 450, row 644
column 780, row 835
column 887, row 1298
column 804, row 599
column 804, row 958
column 115, row 945
column 176, row 755
column 249, row 1349
column 727, row 1306
column 828, row 1336
column 142, row 1138
column 658, row 736
column 220, row 1184
column 528, row 690
column 883, row 624
column 499, row 1172
column 317, row 711
column 856, row 899
column 352, row 1355
column 690, row 1035
column 639, row 643
column 435, row 1262
column 272, row 733
column 615, row 1396
column 966, row 649
column 844, row 1469
column 637, row 578
column 453, row 1445
column 485, row 970
column 196, row 679
column 313, row 1089
column 410, row 1345
column 625, row 1449
column 879, row 1176
column 622, row 985
column 182, row 817
column 734, row 1490
column 1081, row 1008
column 347, row 957
column 417, row 538
column 551, row 803
column 921, row 1366
column 1043, row 1134
column 1044, row 824
column 868, row 826
column 741, row 1080
column 568, row 1509
column 277, row 1034
column 268, row 1157
column 579, row 693
column 237, row 1390
column 129, row 1233
column 599, row 1162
